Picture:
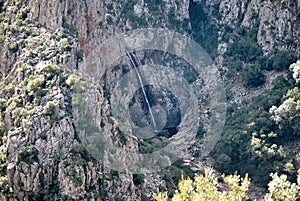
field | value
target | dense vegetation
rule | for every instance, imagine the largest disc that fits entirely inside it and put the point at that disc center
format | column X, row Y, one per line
column 204, row 30
column 231, row 188
column 259, row 134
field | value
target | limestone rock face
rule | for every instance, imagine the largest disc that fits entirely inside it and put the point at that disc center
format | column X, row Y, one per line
column 42, row 154
column 276, row 21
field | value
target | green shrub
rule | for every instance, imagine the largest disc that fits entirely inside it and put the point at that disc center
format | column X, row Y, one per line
column 78, row 149
column 109, row 20
column 2, row 38
column 74, row 177
column 34, row 83
column 13, row 47
column 29, row 155
column 138, row 179
column 281, row 60
column 114, row 173
column 200, row 131
column 73, row 80
column 253, row 76
column 4, row 187
column 79, row 55
column 49, row 108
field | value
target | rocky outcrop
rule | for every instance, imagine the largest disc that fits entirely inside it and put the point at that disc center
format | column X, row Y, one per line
column 42, row 154
column 276, row 23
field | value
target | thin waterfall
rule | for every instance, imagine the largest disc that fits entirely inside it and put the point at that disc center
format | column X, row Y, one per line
column 143, row 90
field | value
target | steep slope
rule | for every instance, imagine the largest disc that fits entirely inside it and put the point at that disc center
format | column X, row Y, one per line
column 43, row 45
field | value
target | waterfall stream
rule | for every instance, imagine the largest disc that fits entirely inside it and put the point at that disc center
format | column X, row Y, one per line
column 143, row 90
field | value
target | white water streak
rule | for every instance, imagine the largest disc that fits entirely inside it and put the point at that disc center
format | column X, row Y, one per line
column 143, row 90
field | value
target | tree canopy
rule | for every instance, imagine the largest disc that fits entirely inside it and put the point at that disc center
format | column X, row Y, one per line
column 230, row 188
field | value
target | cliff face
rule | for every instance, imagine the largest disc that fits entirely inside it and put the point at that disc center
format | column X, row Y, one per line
column 46, row 43
column 275, row 21
column 40, row 160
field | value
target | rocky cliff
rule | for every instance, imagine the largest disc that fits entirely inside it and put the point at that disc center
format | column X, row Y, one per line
column 45, row 46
